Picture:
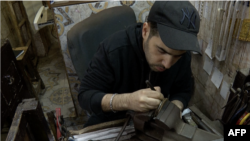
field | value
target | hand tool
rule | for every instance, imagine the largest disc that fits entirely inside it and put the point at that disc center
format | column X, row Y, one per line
column 149, row 85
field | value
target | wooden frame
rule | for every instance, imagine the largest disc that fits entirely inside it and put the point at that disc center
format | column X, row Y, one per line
column 29, row 123
column 29, row 68
column 65, row 3
column 19, row 23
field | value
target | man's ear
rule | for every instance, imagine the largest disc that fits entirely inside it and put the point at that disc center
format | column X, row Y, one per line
column 145, row 31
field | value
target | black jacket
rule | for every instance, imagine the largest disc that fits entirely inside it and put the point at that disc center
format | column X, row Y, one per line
column 120, row 66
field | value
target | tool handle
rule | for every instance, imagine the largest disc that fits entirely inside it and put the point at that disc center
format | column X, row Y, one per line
column 58, row 114
column 150, row 86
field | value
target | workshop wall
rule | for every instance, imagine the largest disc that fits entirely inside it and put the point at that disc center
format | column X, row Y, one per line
column 206, row 95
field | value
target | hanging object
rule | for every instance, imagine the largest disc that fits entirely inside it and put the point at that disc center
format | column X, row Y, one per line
column 217, row 26
column 223, row 28
column 229, row 40
column 238, row 29
column 221, row 52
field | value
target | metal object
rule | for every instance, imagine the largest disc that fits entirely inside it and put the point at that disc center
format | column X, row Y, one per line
column 169, row 119
column 159, row 107
column 109, row 124
column 123, row 128
column 237, row 104
column 215, row 126
column 62, row 132
column 152, row 88
column 237, row 113
column 200, row 123
column 235, row 96
column 149, row 85
column 188, row 119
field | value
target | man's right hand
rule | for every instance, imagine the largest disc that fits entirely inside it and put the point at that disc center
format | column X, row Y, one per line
column 145, row 100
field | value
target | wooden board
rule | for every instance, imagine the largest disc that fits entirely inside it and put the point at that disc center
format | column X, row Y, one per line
column 19, row 58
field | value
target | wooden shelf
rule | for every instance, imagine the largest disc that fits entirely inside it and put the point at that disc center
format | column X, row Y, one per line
column 65, row 3
column 19, row 58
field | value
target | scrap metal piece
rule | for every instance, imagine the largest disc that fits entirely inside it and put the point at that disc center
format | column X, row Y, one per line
column 200, row 123
column 216, row 127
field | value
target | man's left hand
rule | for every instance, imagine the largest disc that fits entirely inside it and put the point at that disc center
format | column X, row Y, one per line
column 178, row 104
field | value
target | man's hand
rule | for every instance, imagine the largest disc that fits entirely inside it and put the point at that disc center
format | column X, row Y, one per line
column 145, row 99
column 179, row 105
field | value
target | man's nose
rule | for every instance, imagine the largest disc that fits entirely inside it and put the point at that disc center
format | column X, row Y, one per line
column 167, row 61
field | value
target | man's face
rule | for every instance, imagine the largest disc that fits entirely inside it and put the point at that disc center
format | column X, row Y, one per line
column 158, row 55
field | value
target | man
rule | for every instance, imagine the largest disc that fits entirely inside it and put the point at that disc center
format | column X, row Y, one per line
column 157, row 50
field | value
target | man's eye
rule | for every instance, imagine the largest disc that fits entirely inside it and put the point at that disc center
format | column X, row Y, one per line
column 161, row 51
column 178, row 57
